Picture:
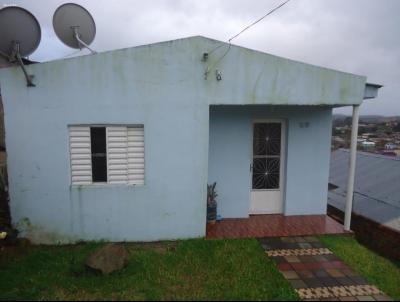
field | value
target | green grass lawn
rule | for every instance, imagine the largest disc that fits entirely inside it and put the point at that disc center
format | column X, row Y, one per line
column 187, row 270
column 376, row 269
column 192, row 270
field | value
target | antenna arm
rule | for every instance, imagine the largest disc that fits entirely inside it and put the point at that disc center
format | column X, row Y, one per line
column 81, row 42
column 27, row 76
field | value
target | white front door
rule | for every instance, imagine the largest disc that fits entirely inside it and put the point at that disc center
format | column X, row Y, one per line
column 266, row 167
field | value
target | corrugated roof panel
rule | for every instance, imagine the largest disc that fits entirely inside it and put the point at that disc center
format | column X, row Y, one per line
column 377, row 185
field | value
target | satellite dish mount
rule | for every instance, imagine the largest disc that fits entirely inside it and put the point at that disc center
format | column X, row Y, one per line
column 16, row 56
column 77, row 36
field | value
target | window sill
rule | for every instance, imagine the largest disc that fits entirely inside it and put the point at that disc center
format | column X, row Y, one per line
column 106, row 185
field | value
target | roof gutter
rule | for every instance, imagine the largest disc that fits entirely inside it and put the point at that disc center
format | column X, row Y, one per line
column 371, row 90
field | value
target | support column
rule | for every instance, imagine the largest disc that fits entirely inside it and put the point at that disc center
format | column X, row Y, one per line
column 352, row 168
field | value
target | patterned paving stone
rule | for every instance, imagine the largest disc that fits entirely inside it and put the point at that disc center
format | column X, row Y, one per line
column 280, row 259
column 358, row 280
column 297, row 252
column 321, row 273
column 360, row 291
column 365, row 298
column 297, row 283
column 331, row 257
column 349, row 272
column 307, row 259
column 306, row 274
column 317, row 245
column 316, row 273
column 320, row 258
column 285, row 267
column 313, row 282
column 329, row 282
column 344, row 281
column 382, row 298
column 311, row 239
column 288, row 239
column 292, row 259
column 290, row 275
column 305, row 245
column 335, row 273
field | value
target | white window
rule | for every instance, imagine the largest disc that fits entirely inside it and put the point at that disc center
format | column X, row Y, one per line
column 107, row 154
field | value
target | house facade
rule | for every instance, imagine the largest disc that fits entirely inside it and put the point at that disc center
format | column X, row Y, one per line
column 120, row 145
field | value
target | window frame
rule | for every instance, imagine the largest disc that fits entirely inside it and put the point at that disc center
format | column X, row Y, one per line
column 106, row 184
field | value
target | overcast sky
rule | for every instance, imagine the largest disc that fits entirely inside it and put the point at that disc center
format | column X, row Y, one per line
column 357, row 36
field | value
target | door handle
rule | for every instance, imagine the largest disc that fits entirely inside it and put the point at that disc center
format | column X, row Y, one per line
column 251, row 167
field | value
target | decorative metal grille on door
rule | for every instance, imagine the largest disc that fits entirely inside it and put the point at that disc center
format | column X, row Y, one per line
column 266, row 156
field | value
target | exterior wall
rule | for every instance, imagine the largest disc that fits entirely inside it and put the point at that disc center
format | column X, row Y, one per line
column 2, row 132
column 161, row 86
column 108, row 90
column 307, row 157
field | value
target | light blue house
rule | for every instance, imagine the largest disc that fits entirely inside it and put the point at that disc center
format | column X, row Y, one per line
column 121, row 145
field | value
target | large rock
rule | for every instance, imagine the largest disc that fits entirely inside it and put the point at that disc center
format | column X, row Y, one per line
column 108, row 259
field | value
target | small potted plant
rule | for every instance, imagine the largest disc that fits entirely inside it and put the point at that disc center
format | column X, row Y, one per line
column 211, row 203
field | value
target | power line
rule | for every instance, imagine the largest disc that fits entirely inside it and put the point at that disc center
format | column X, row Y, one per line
column 255, row 22
column 208, row 69
column 251, row 25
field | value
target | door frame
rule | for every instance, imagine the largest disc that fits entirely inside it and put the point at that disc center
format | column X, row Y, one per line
column 282, row 176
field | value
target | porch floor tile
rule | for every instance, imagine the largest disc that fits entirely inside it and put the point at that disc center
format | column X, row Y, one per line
column 260, row 226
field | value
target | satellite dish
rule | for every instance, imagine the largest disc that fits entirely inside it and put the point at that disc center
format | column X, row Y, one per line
column 20, row 35
column 17, row 25
column 74, row 26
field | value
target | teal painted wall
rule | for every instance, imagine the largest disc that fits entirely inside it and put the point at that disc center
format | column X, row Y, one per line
column 306, row 170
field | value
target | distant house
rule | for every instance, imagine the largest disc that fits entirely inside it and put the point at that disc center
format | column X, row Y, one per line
column 377, row 186
column 120, row 145
column 338, row 141
column 368, row 135
column 391, row 146
column 367, row 144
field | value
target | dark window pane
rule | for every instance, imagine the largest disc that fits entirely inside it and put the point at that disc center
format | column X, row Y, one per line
column 259, row 142
column 267, row 139
column 98, row 139
column 99, row 169
column 274, row 139
column 266, row 173
column 259, row 167
column 99, row 154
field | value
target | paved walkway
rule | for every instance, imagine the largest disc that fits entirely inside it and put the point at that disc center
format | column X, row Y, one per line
column 316, row 273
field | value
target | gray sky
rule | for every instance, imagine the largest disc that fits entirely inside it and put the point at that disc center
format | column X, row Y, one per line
column 357, row 36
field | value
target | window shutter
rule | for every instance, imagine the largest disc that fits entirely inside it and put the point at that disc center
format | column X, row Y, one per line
column 136, row 155
column 125, row 155
column 80, row 150
column 117, row 155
